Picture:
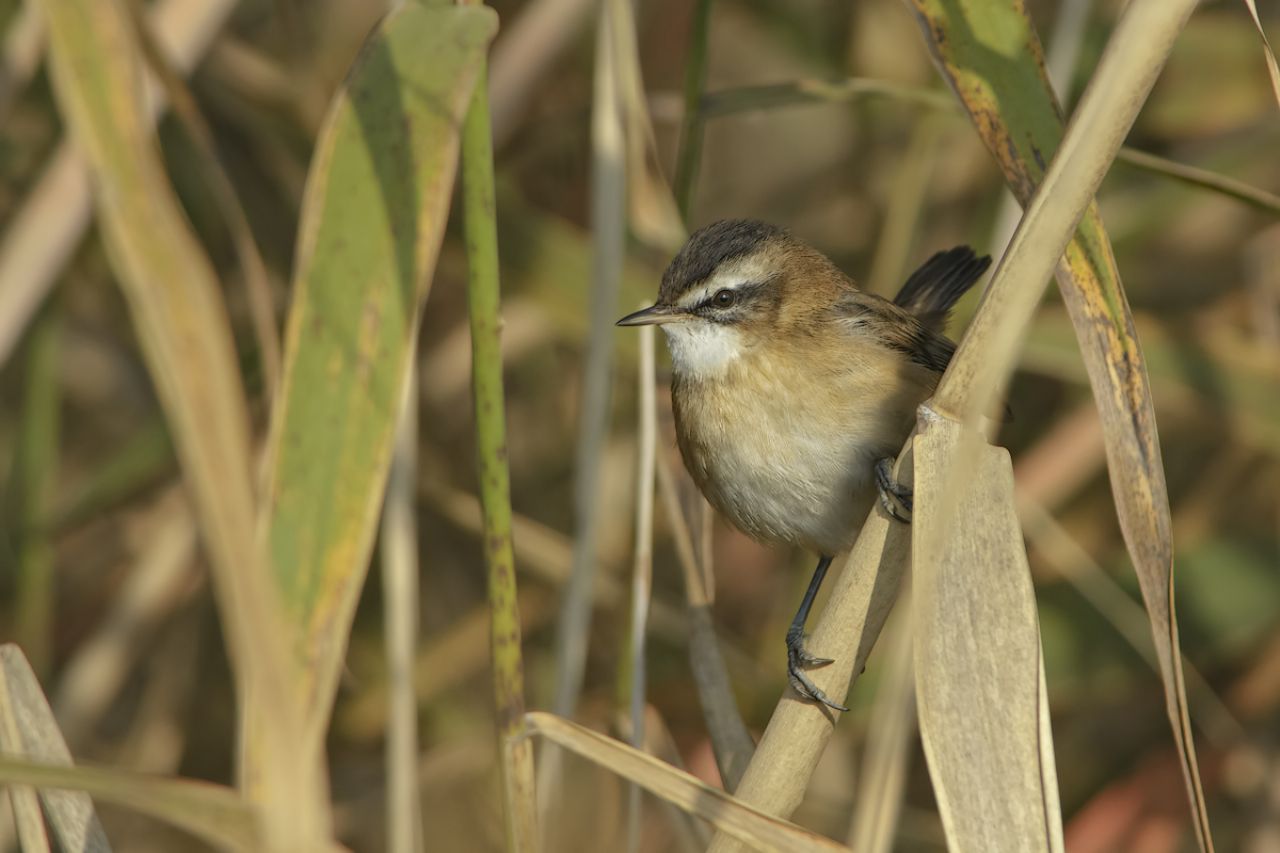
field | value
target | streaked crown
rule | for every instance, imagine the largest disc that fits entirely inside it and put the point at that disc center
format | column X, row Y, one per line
column 712, row 247
column 746, row 274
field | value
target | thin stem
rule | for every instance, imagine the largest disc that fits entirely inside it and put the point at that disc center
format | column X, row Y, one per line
column 1070, row 560
column 811, row 90
column 642, row 575
column 881, row 783
column 730, row 741
column 691, row 128
column 1202, row 178
column 400, row 609
column 808, row 91
column 608, row 227
column 483, row 299
column 35, row 467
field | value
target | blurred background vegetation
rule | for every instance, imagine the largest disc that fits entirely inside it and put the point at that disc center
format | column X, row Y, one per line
column 110, row 601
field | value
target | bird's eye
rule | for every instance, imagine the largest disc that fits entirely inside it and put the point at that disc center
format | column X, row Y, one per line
column 724, row 298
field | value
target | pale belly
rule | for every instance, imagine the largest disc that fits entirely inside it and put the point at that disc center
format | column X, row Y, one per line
column 799, row 473
column 785, row 447
column 817, row 502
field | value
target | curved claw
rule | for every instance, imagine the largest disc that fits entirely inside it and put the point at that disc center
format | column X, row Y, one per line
column 892, row 493
column 798, row 658
column 808, row 690
column 808, row 661
column 798, row 655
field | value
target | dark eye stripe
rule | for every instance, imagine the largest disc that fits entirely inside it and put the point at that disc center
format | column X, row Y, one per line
column 741, row 294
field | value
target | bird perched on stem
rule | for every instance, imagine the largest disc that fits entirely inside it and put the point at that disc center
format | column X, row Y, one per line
column 793, row 389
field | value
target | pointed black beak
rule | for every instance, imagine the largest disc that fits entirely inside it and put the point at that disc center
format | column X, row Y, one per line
column 654, row 315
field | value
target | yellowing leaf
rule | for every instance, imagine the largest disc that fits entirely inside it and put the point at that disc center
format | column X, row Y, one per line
column 990, row 54
column 373, row 217
column 177, row 309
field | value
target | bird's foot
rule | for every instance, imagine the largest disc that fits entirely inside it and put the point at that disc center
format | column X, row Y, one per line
column 894, row 497
column 798, row 659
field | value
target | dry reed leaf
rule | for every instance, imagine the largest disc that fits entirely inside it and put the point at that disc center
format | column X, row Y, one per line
column 990, row 55
column 54, row 216
column 212, row 812
column 373, row 216
column 653, row 214
column 1273, row 70
column 183, row 105
column 24, row 821
column 979, row 671
column 180, row 319
column 730, row 816
column 28, row 820
column 28, row 730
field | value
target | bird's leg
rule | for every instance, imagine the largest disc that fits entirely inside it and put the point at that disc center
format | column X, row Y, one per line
column 797, row 656
column 894, row 496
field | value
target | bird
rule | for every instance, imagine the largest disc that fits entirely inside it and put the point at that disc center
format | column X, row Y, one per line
column 792, row 389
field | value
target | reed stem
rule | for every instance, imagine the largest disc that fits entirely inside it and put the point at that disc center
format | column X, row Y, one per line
column 483, row 299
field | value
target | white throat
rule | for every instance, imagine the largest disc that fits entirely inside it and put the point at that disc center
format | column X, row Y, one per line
column 700, row 349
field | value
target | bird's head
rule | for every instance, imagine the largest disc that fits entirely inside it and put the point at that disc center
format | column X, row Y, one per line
column 735, row 286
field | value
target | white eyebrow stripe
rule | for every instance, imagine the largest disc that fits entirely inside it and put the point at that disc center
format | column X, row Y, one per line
column 694, row 298
column 732, row 276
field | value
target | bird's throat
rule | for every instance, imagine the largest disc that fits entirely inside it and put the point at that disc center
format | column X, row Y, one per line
column 703, row 350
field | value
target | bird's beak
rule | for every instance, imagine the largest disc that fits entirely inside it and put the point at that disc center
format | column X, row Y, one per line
column 654, row 315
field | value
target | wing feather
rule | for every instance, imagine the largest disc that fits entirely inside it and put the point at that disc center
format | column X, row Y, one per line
column 939, row 283
column 894, row 327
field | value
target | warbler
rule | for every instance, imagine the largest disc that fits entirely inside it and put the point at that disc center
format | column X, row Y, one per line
column 792, row 389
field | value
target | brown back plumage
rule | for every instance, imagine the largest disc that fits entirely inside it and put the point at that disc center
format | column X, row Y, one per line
column 913, row 322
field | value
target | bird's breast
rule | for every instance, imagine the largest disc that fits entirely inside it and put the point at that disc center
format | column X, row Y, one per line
column 787, row 455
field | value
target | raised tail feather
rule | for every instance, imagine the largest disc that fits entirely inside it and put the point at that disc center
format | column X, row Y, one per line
column 931, row 290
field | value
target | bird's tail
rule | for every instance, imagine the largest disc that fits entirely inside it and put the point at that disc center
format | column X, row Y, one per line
column 931, row 290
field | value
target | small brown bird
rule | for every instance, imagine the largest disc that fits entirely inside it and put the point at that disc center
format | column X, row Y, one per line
column 793, row 389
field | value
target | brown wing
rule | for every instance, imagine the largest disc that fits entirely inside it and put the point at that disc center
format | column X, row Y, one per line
column 894, row 327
